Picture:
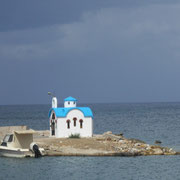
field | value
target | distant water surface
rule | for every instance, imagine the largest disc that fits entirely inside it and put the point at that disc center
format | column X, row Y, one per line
column 148, row 122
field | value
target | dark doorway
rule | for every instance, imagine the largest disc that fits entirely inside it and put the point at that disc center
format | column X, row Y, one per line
column 53, row 128
column 53, row 125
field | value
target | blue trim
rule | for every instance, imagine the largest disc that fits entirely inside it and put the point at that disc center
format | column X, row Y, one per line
column 62, row 112
column 70, row 99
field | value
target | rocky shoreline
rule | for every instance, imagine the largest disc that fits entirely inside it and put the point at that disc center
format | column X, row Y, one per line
column 106, row 144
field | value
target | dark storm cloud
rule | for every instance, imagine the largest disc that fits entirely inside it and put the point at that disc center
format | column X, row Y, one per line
column 109, row 53
column 21, row 14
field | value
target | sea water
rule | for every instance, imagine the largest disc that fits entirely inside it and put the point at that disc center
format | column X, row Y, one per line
column 144, row 121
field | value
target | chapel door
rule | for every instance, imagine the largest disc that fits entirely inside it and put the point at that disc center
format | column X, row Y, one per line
column 53, row 125
column 53, row 128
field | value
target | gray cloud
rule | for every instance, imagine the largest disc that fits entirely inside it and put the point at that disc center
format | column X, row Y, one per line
column 113, row 54
column 20, row 14
column 107, row 28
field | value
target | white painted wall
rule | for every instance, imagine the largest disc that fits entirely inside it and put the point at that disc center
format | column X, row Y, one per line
column 54, row 102
column 85, row 131
column 69, row 104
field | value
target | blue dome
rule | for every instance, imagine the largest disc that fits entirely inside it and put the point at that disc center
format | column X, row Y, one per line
column 70, row 99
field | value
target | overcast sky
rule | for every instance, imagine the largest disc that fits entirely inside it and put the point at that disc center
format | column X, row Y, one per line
column 93, row 50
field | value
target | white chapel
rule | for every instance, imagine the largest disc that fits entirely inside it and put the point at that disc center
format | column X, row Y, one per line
column 70, row 119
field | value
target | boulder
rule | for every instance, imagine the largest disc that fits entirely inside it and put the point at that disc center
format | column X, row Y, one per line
column 157, row 142
column 108, row 132
column 158, row 151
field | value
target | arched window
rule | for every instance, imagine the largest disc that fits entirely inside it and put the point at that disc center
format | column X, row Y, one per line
column 68, row 123
column 81, row 123
column 74, row 119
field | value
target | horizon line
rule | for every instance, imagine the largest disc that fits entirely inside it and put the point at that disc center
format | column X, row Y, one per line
column 141, row 102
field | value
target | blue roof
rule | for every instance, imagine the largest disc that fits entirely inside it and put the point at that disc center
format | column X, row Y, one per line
column 70, row 99
column 62, row 112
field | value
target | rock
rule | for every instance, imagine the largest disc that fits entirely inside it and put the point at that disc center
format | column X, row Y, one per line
column 120, row 134
column 122, row 141
column 108, row 139
column 157, row 142
column 108, row 132
column 158, row 151
column 136, row 141
column 172, row 151
column 137, row 144
column 113, row 137
column 148, row 147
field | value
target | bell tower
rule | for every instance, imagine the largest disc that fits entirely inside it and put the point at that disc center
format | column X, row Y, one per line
column 70, row 102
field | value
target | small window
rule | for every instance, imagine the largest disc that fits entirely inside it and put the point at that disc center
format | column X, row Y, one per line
column 81, row 123
column 68, row 124
column 74, row 119
column 68, row 102
column 8, row 138
column 74, row 102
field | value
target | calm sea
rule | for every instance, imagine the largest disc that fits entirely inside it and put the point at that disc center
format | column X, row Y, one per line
column 148, row 122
